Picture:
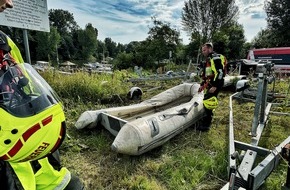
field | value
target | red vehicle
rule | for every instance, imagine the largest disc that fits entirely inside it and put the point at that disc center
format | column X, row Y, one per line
column 280, row 56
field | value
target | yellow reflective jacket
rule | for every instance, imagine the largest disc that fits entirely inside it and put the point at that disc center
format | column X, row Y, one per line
column 46, row 178
column 214, row 70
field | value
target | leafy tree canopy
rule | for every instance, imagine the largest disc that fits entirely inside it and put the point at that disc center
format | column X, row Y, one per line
column 87, row 40
column 202, row 18
column 278, row 19
column 47, row 44
column 63, row 20
column 229, row 40
column 162, row 39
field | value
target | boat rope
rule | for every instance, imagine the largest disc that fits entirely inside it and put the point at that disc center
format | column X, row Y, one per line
column 183, row 111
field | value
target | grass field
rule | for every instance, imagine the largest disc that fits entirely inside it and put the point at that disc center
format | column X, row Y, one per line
column 190, row 160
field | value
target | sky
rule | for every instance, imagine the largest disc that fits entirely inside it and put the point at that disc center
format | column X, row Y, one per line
column 129, row 20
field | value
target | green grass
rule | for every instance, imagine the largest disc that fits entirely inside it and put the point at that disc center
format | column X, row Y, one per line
column 190, row 160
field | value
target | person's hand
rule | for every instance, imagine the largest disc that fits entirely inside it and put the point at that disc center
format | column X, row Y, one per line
column 200, row 89
column 212, row 89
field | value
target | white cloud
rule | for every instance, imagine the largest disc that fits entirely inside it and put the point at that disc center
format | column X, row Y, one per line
column 128, row 20
column 252, row 17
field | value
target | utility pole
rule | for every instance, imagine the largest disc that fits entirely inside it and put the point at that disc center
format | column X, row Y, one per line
column 26, row 45
column 57, row 59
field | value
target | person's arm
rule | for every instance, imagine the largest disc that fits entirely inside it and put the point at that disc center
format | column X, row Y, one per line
column 202, row 76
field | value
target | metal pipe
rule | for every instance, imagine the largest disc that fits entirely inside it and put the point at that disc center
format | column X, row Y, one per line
column 263, row 101
column 26, row 45
column 280, row 113
column 232, row 162
column 257, row 105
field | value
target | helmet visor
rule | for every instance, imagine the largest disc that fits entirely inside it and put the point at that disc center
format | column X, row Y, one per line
column 23, row 92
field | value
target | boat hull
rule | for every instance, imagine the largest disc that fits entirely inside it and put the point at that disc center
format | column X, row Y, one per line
column 144, row 134
column 142, row 127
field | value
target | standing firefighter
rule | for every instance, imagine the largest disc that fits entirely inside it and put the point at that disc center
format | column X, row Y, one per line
column 32, row 126
column 213, row 80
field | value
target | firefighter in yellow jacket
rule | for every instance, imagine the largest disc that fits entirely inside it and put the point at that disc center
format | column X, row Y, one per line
column 213, row 80
column 32, row 125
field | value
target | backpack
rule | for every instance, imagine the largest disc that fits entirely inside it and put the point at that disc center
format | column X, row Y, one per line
column 223, row 61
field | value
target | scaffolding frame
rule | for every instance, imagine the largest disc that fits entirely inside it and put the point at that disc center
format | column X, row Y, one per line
column 246, row 175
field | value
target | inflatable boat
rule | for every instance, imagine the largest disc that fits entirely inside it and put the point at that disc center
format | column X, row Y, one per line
column 141, row 127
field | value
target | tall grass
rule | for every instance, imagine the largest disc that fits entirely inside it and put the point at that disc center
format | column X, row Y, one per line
column 82, row 86
column 191, row 160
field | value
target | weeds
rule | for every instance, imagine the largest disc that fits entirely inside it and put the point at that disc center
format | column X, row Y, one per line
column 191, row 160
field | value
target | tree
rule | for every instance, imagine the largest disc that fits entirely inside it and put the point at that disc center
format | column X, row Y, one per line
column 143, row 55
column 203, row 18
column 162, row 39
column 100, row 50
column 88, row 42
column 135, row 47
column 131, row 47
column 123, row 60
column 163, row 31
column 69, row 47
column 236, row 41
column 265, row 39
column 63, row 20
column 181, row 56
column 229, row 40
column 278, row 19
column 111, row 48
column 135, row 54
column 120, row 48
column 47, row 44
column 65, row 24
column 246, row 47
